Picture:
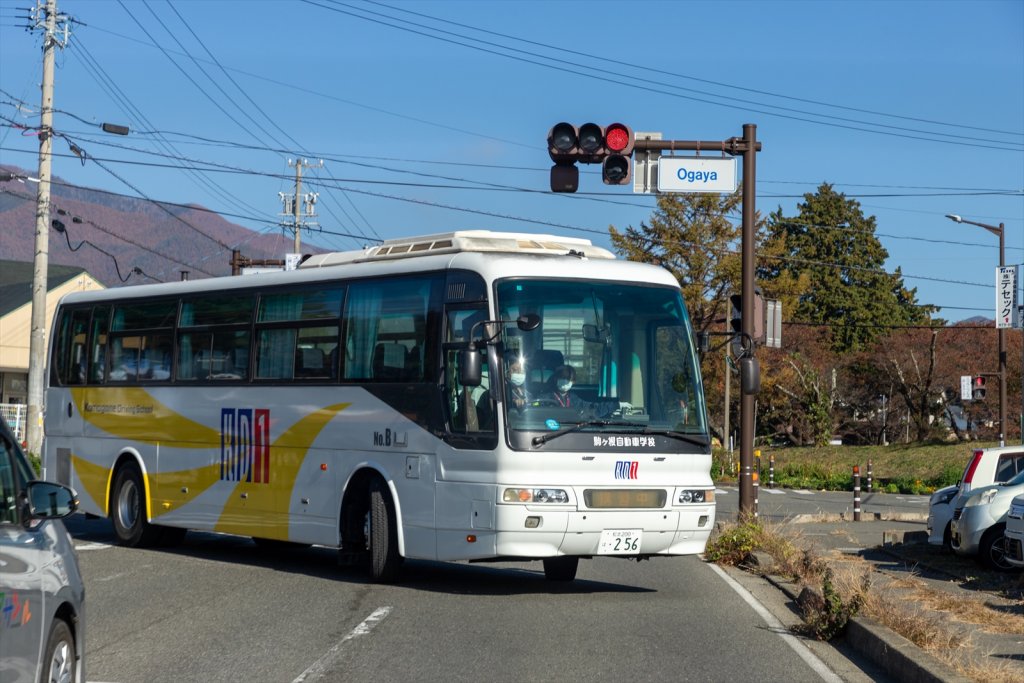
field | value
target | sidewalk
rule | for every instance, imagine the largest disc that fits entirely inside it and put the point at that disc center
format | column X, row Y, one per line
column 898, row 550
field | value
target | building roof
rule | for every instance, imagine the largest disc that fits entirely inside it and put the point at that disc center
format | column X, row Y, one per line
column 16, row 282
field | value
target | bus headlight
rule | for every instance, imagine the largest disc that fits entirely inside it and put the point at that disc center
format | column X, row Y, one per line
column 696, row 496
column 535, row 496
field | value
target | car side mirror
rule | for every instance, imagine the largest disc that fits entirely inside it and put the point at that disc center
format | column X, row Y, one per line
column 470, row 371
column 48, row 500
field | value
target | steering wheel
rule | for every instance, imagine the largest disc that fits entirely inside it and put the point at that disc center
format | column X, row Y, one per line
column 549, row 402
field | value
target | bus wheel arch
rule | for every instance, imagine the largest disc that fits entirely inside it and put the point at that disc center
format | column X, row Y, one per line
column 128, row 496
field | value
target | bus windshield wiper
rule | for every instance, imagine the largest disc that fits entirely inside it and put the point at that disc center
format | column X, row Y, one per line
column 682, row 436
column 645, row 429
column 544, row 438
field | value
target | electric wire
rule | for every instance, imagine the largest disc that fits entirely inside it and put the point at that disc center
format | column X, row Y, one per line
column 636, row 83
column 651, row 69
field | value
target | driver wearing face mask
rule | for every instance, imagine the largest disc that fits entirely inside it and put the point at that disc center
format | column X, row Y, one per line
column 560, row 385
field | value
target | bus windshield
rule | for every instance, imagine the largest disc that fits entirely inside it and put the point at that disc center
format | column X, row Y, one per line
column 607, row 357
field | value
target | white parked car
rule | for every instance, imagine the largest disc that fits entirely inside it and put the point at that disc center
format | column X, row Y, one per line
column 1014, row 534
column 979, row 520
column 986, row 466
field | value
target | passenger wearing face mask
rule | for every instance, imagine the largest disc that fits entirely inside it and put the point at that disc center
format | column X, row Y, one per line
column 518, row 396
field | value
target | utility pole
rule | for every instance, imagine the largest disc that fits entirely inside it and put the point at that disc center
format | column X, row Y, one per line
column 45, row 18
column 294, row 208
column 747, row 147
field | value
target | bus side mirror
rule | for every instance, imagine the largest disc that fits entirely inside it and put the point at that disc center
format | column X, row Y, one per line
column 470, row 372
column 750, row 376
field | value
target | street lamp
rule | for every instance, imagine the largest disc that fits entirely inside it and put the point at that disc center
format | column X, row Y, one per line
column 999, row 231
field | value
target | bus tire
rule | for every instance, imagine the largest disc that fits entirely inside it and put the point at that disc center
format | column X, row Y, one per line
column 561, row 568
column 385, row 562
column 59, row 658
column 128, row 510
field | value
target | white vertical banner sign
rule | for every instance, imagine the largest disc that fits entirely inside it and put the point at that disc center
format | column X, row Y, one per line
column 1006, row 296
column 965, row 387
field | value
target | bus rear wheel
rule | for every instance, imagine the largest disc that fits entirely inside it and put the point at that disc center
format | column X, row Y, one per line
column 128, row 510
column 385, row 562
column 560, row 568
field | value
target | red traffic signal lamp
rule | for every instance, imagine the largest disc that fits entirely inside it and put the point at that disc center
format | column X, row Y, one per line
column 978, row 388
column 589, row 143
column 618, row 141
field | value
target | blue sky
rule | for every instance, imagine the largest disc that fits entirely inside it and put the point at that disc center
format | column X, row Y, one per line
column 423, row 131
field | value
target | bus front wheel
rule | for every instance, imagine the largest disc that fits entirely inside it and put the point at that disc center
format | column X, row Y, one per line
column 128, row 510
column 385, row 562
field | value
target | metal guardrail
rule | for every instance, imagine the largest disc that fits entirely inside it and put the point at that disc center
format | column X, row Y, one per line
column 14, row 415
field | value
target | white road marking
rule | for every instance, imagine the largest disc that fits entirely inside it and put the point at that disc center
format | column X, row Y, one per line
column 93, row 546
column 320, row 666
column 774, row 492
column 777, row 626
column 803, row 492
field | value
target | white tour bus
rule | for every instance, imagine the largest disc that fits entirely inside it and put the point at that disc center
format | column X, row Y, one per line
column 365, row 401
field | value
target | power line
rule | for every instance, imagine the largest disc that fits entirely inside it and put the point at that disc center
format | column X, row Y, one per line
column 651, row 69
column 636, row 83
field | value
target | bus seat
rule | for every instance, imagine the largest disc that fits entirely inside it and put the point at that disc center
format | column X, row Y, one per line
column 542, row 364
column 389, row 361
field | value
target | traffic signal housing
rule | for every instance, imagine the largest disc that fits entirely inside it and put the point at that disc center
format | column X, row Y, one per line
column 610, row 146
column 737, row 313
column 617, row 166
column 563, row 148
column 978, row 388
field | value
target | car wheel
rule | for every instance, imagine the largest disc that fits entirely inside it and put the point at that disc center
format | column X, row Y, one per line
column 560, row 568
column 992, row 549
column 59, row 660
column 128, row 510
column 385, row 562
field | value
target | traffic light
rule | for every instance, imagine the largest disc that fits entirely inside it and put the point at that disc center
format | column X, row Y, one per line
column 563, row 148
column 618, row 141
column 589, row 143
column 737, row 313
column 978, row 388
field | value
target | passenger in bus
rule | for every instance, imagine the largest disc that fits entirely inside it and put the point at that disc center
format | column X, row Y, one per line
column 518, row 396
column 560, row 391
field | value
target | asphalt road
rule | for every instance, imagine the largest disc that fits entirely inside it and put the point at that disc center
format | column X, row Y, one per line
column 782, row 504
column 219, row 608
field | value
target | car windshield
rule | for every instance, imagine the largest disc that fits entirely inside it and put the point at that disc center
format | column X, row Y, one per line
column 1019, row 479
column 607, row 356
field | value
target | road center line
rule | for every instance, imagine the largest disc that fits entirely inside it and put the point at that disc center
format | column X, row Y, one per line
column 320, row 666
column 778, row 627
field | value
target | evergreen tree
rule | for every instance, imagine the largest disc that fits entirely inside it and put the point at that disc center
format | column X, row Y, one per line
column 831, row 241
column 692, row 237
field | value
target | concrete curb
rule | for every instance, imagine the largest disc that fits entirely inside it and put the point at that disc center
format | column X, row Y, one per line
column 830, row 518
column 896, row 655
column 888, row 650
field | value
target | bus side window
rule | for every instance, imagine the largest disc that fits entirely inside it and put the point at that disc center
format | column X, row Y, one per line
column 98, row 345
column 70, row 349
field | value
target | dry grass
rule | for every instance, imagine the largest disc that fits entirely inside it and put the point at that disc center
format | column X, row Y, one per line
column 937, row 621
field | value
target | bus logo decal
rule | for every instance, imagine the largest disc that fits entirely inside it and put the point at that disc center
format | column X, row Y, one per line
column 245, row 445
column 626, row 469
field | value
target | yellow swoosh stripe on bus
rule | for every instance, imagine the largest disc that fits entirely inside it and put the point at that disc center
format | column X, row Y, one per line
column 271, row 503
column 132, row 413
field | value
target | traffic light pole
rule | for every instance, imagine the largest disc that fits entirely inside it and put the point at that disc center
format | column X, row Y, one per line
column 746, row 146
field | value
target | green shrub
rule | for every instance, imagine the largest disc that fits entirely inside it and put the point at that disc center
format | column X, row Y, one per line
column 892, row 487
column 733, row 545
column 836, row 613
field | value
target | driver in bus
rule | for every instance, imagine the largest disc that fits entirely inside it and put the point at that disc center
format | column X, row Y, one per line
column 560, row 392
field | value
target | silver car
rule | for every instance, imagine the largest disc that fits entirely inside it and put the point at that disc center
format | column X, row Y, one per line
column 41, row 589
column 980, row 519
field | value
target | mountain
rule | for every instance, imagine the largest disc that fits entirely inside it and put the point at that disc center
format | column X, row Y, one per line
column 160, row 239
